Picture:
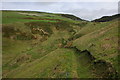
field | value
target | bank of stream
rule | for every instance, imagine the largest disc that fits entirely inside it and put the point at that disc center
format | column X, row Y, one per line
column 87, row 63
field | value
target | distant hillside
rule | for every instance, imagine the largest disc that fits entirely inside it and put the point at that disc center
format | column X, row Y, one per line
column 107, row 18
column 71, row 16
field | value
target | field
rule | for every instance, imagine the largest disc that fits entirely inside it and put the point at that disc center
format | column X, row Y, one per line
column 49, row 45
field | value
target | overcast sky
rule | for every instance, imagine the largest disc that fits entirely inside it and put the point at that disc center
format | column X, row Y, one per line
column 84, row 10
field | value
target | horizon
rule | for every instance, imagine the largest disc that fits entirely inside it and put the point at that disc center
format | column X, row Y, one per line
column 84, row 10
column 62, row 13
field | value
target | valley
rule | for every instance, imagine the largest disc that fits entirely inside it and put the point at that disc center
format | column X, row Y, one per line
column 49, row 45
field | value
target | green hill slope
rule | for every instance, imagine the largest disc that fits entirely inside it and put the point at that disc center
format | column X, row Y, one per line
column 48, row 45
column 107, row 18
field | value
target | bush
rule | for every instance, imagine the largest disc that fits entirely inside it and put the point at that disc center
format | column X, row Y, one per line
column 43, row 25
column 9, row 30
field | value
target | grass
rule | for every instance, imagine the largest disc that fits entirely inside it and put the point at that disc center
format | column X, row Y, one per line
column 9, row 55
column 29, row 53
column 63, row 63
column 101, row 42
column 17, row 17
column 61, row 58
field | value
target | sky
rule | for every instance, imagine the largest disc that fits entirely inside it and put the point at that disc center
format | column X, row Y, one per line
column 85, row 10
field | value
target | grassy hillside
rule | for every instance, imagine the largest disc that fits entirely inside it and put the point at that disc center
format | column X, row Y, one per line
column 48, row 45
column 107, row 18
